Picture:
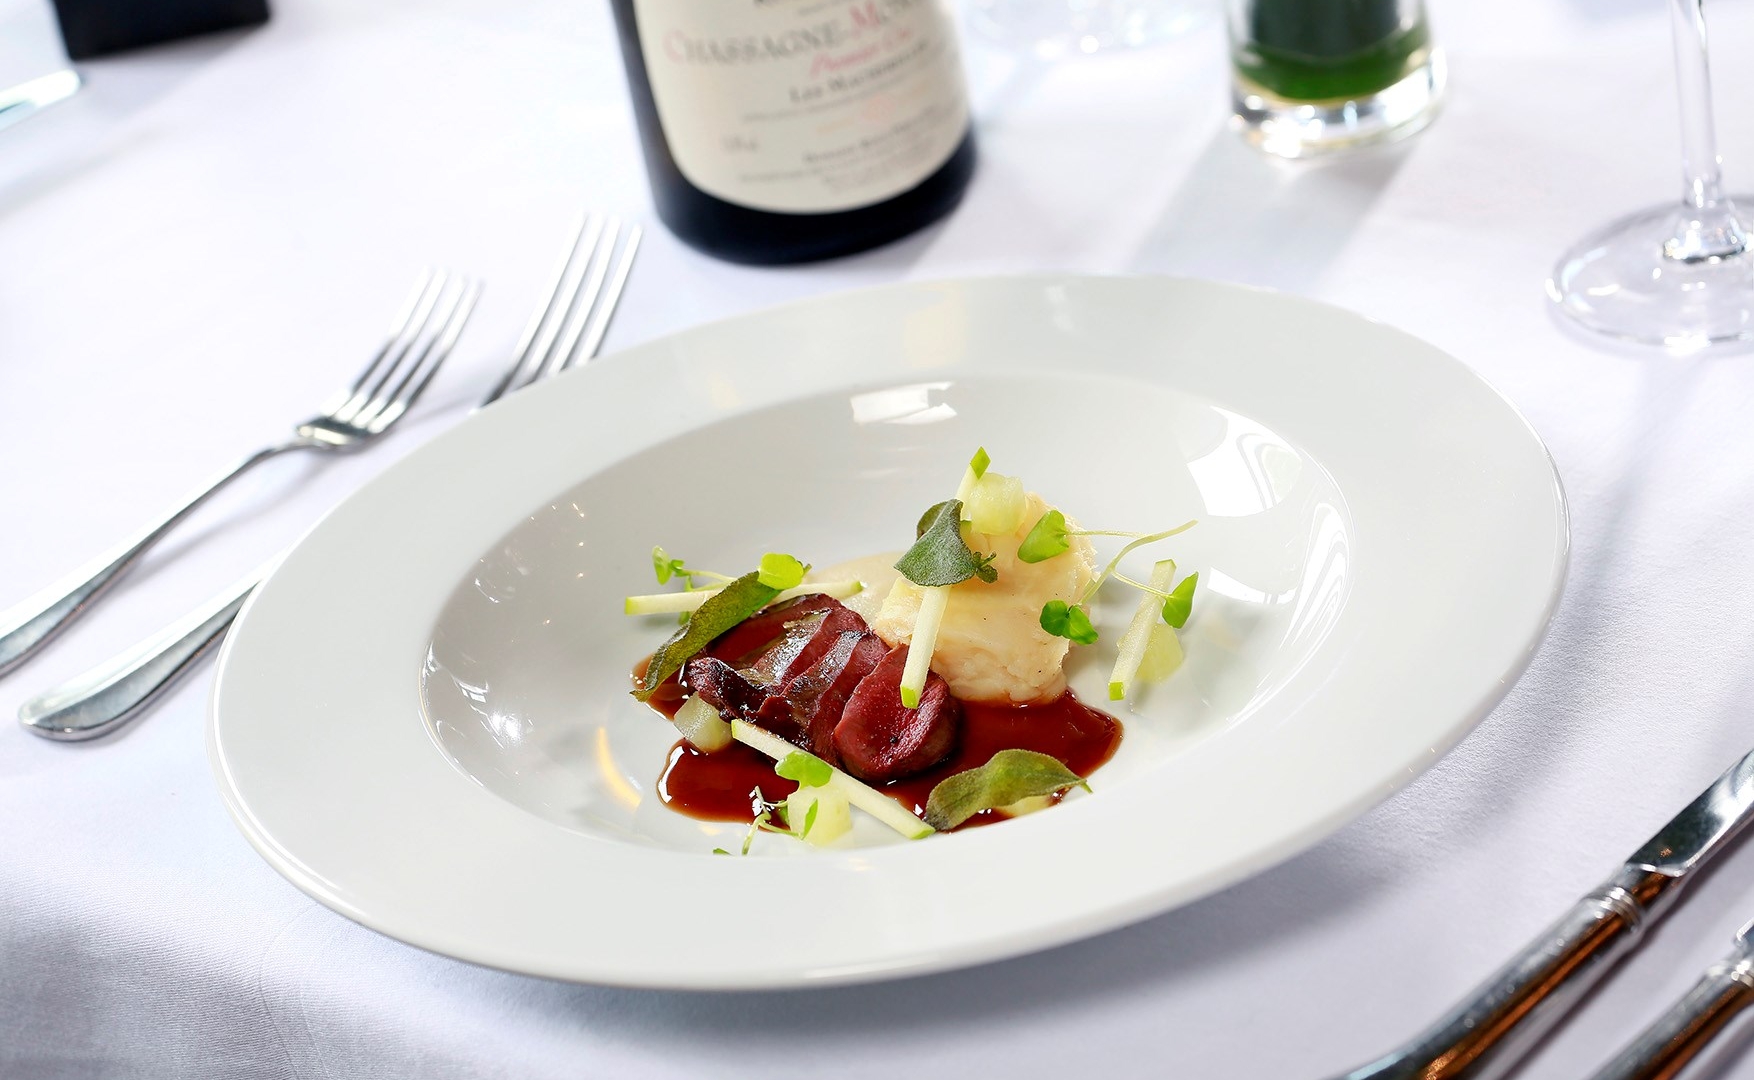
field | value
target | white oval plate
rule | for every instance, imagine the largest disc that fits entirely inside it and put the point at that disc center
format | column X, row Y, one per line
column 422, row 718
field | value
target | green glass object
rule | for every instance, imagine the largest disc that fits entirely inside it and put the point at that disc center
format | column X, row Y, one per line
column 1314, row 50
column 1313, row 75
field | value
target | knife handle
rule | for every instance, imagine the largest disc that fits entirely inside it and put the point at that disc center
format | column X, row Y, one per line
column 1667, row 1049
column 1489, row 1031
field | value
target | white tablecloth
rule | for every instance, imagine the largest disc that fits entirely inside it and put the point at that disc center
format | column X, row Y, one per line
column 205, row 242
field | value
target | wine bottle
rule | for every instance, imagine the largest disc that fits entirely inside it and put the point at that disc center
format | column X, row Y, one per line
column 782, row 131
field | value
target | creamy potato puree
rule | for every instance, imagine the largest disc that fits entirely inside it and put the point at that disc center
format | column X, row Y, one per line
column 991, row 646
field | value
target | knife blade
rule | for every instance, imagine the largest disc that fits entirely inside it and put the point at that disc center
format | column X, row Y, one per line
column 29, row 98
column 1670, row 1048
column 1494, row 1027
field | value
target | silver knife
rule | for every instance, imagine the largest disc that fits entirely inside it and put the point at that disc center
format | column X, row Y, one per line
column 30, row 98
column 1485, row 1035
column 1671, row 1048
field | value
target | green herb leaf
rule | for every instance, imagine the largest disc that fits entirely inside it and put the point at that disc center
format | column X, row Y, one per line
column 781, row 571
column 664, row 566
column 720, row 851
column 1180, row 603
column 730, row 606
column 1010, row 775
column 806, row 768
column 930, row 518
column 1047, row 538
column 1069, row 621
column 941, row 556
column 979, row 462
column 809, row 820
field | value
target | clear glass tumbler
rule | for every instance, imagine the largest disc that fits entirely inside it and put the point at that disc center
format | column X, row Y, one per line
column 1313, row 76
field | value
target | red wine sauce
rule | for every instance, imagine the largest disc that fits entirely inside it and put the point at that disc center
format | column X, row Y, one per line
column 717, row 786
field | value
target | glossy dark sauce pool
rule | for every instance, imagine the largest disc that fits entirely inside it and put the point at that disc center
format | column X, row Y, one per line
column 716, row 786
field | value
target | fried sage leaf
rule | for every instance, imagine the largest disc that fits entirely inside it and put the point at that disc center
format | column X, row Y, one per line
column 941, row 556
column 1010, row 775
column 725, row 609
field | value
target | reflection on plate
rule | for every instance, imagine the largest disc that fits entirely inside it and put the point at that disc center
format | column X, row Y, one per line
column 422, row 717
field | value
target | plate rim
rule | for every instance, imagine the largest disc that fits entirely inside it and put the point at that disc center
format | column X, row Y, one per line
column 1046, row 932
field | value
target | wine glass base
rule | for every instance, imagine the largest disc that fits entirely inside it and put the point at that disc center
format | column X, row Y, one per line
column 1299, row 129
column 1617, row 282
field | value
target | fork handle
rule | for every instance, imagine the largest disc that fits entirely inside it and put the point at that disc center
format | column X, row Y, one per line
column 31, row 624
column 116, row 691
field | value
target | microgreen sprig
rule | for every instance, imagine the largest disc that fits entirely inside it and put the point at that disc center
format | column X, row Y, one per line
column 1051, row 536
column 665, row 567
column 1179, row 604
column 781, row 571
column 805, row 768
column 764, row 812
column 1069, row 621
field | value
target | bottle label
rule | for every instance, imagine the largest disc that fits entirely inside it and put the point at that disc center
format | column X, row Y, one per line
column 805, row 106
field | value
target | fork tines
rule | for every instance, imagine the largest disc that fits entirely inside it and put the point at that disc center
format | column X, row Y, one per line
column 419, row 341
column 580, row 304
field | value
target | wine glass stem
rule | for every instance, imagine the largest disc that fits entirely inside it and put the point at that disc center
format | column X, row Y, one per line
column 1707, row 228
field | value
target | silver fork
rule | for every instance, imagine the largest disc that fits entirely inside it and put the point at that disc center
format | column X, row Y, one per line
column 567, row 327
column 419, row 341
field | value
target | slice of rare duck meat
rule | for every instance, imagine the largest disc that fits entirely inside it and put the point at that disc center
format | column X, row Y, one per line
column 880, row 740
column 756, row 685
column 725, row 688
column 818, row 696
column 805, row 642
column 744, row 643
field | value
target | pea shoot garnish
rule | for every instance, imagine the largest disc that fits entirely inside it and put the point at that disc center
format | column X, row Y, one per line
column 1068, row 621
column 665, row 568
column 779, row 571
column 1051, row 537
column 764, row 812
column 1179, row 604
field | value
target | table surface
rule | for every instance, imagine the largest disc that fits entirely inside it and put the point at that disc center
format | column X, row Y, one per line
column 203, row 243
